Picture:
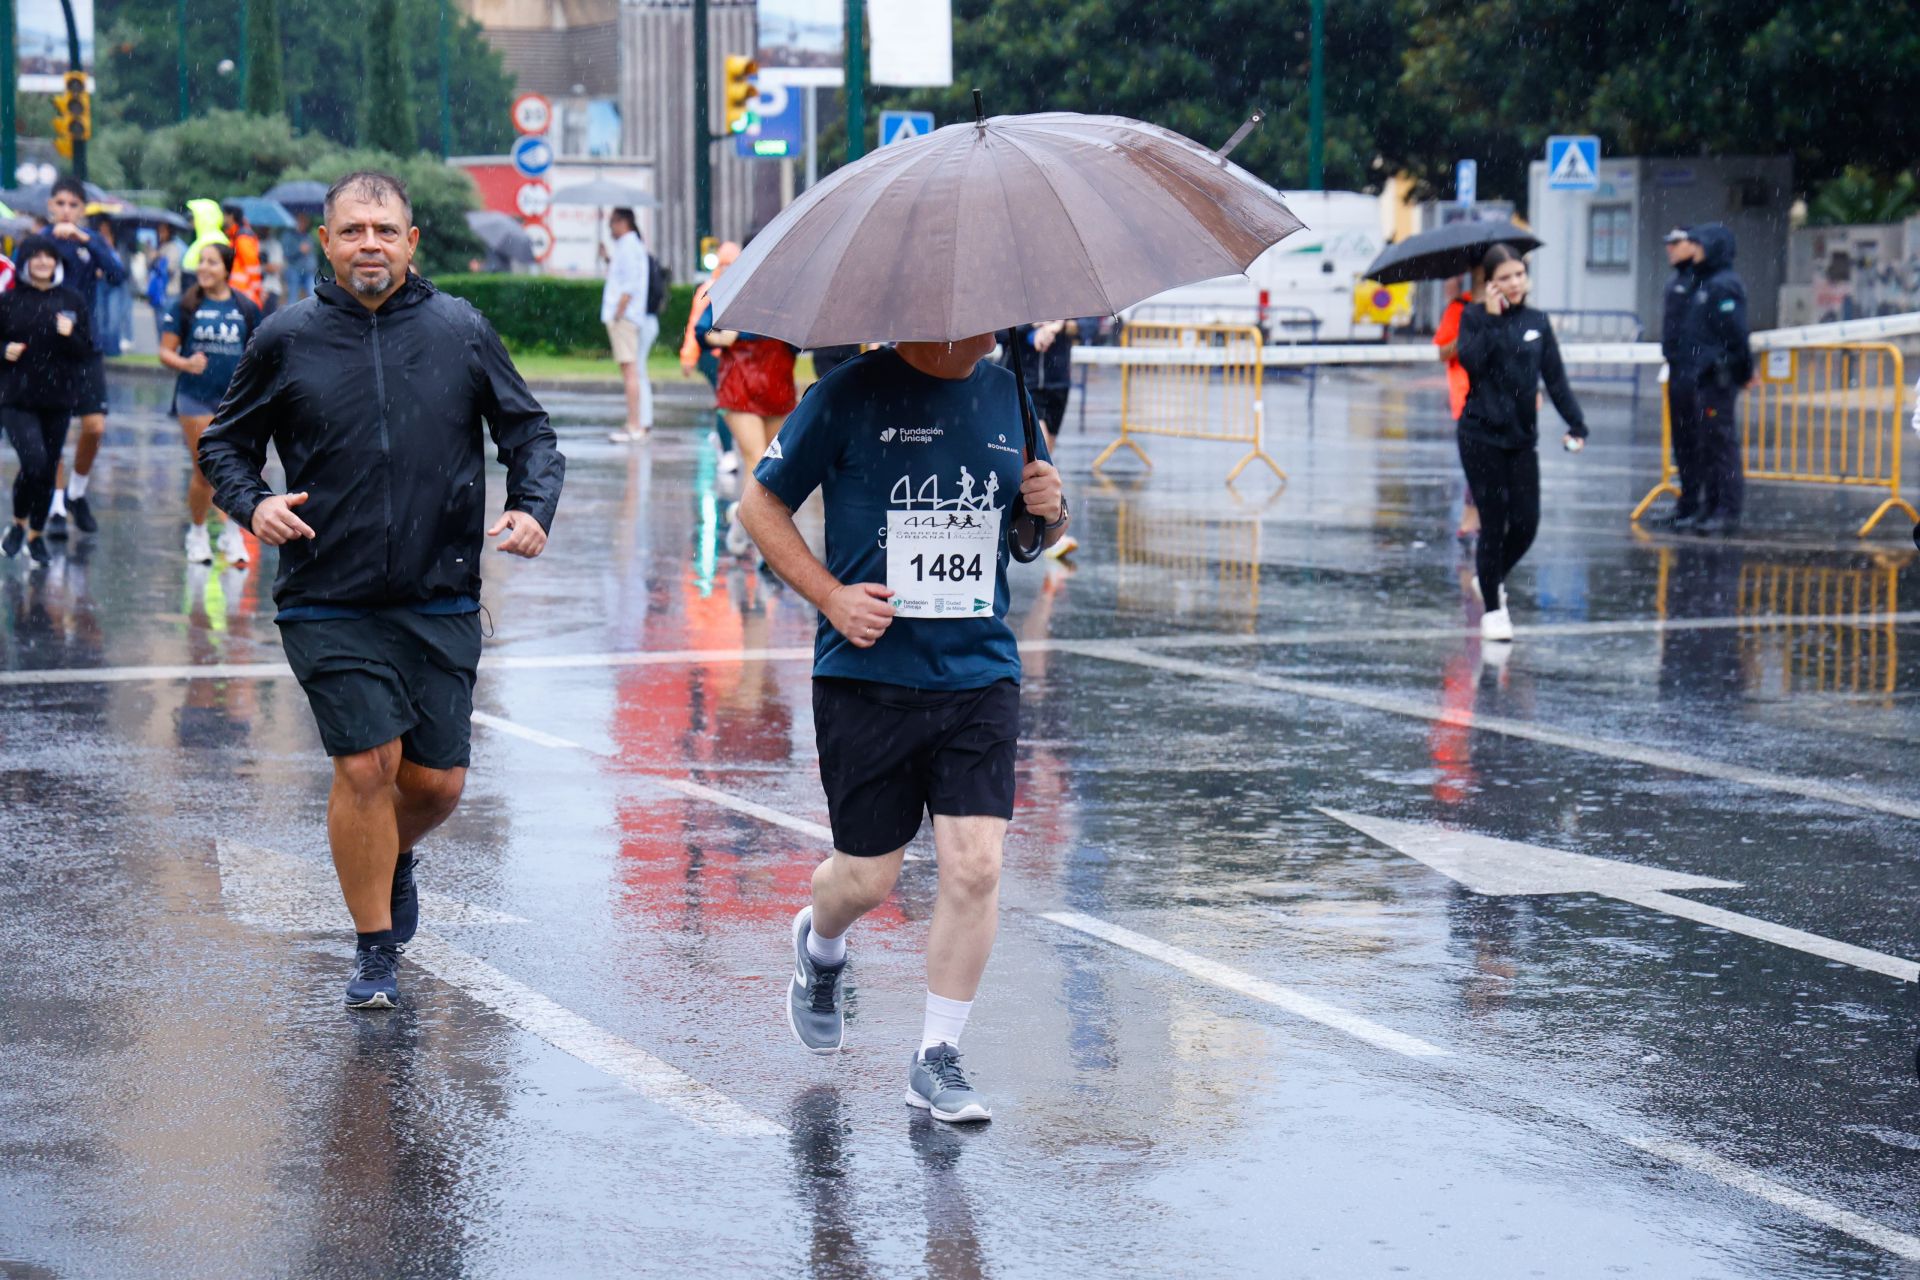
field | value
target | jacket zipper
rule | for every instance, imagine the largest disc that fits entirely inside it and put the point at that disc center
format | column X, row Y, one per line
column 386, row 453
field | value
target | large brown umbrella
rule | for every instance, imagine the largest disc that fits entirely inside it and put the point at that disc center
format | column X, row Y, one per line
column 1004, row 221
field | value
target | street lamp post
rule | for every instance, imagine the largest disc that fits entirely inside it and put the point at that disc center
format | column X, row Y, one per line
column 446, row 87
column 9, row 152
column 180, row 54
column 856, row 80
column 73, row 64
column 1317, row 102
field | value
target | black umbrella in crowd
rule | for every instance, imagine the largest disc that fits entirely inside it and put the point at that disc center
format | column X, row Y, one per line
column 1445, row 252
column 300, row 196
column 502, row 234
column 32, row 199
column 145, row 215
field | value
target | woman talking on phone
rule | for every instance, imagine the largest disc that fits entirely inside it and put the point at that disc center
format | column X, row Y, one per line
column 1507, row 349
column 44, row 328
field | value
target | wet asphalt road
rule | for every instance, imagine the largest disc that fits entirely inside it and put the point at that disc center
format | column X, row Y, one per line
column 1225, row 1034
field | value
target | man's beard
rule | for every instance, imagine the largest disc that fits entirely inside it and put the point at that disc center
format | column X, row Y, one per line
column 375, row 288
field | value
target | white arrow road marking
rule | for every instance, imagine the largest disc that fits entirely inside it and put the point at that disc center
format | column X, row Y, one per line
column 1295, row 1002
column 1499, row 867
column 1688, row 1156
column 1659, row 758
column 275, row 891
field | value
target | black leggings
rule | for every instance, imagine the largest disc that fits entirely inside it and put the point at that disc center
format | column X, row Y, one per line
column 1506, row 487
column 38, row 436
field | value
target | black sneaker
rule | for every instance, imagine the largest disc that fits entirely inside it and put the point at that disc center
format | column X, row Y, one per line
column 376, row 978
column 37, row 550
column 406, row 900
column 11, row 543
column 57, row 526
column 82, row 514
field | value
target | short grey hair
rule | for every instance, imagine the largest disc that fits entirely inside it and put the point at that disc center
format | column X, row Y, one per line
column 373, row 185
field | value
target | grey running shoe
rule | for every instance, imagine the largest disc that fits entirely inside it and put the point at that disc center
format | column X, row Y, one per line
column 816, row 1001
column 936, row 1083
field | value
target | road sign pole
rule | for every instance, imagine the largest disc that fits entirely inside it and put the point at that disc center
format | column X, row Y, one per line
column 446, row 86
column 856, row 80
column 702, row 135
column 9, row 150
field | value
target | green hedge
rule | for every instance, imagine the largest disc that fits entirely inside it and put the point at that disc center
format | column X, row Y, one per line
column 554, row 314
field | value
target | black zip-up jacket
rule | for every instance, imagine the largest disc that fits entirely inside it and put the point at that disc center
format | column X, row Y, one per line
column 47, row 374
column 1673, row 310
column 1711, row 347
column 1507, row 357
column 376, row 416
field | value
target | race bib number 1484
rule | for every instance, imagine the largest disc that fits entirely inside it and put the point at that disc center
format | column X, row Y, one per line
column 943, row 564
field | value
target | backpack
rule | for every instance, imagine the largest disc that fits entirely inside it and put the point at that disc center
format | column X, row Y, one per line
column 656, row 286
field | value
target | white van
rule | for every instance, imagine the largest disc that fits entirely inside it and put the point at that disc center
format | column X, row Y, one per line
column 1301, row 290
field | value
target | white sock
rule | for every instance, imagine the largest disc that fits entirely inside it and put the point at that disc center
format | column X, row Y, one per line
column 59, row 507
column 826, row 950
column 77, row 484
column 946, row 1019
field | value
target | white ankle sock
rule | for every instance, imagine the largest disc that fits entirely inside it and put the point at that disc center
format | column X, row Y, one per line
column 826, row 950
column 946, row 1019
column 59, row 507
column 76, row 485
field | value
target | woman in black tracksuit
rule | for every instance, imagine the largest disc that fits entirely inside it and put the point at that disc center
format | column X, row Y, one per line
column 43, row 335
column 1507, row 349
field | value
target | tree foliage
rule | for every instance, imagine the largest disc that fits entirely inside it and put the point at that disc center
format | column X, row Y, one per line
column 325, row 61
column 266, row 91
column 389, row 85
column 1418, row 84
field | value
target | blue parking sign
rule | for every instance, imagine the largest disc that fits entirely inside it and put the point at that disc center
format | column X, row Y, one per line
column 532, row 156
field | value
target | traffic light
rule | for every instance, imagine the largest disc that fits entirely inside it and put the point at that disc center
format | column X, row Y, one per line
column 63, row 125
column 80, row 106
column 741, row 91
column 709, row 252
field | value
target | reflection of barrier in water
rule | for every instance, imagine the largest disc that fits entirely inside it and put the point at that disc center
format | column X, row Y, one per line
column 1206, row 385
column 1184, row 564
column 1826, row 415
column 1779, row 600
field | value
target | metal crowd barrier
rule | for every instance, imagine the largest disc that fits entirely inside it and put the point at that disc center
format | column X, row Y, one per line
column 1280, row 324
column 1190, row 563
column 1827, row 415
column 1218, row 398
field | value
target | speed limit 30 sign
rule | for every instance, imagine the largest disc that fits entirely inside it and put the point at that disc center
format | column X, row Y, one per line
column 532, row 113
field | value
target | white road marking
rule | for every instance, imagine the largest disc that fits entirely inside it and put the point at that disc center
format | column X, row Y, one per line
column 1183, row 640
column 572, row 1034
column 1295, row 1002
column 1392, row 704
column 1500, row 867
column 273, row 890
column 712, row 795
column 1741, row 1178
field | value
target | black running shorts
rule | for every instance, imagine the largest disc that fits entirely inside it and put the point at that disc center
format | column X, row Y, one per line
column 890, row 754
column 392, row 674
column 93, row 387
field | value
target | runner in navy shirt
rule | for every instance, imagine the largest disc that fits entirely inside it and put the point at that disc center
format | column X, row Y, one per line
column 202, row 338
column 918, row 452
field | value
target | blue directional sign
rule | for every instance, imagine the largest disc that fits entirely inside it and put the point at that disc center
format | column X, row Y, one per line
column 1573, row 163
column 1466, row 182
column 900, row 126
column 532, row 156
column 777, row 123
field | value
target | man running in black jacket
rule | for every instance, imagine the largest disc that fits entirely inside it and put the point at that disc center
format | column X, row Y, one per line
column 372, row 391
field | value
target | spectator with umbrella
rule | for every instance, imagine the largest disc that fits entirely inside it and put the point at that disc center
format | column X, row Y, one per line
column 925, row 454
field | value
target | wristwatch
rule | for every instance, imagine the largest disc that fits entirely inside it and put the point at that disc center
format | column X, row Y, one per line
column 1055, row 524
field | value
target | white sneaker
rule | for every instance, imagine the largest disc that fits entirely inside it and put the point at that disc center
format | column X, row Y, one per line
column 729, row 462
column 1495, row 624
column 627, row 437
column 738, row 543
column 233, row 547
column 199, row 547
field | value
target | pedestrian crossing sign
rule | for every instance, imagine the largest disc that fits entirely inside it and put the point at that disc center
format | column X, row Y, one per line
column 1573, row 163
column 901, row 126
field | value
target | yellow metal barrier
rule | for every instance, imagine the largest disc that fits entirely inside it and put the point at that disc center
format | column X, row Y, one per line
column 1188, row 564
column 1220, row 399
column 1819, row 415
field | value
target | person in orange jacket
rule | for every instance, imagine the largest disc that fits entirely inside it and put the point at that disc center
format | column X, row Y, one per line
column 246, row 256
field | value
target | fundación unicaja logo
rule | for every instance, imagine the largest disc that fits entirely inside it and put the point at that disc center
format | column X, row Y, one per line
column 886, row 437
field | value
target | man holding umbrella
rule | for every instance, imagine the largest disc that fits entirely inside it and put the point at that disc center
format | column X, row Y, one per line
column 932, row 470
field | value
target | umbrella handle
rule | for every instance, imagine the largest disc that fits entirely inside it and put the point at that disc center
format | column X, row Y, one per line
column 1026, row 532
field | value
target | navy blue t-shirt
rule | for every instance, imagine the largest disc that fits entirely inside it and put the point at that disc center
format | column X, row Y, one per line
column 878, row 436
column 221, row 331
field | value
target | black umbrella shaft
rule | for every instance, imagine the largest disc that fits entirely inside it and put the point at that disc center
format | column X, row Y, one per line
column 1025, row 533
